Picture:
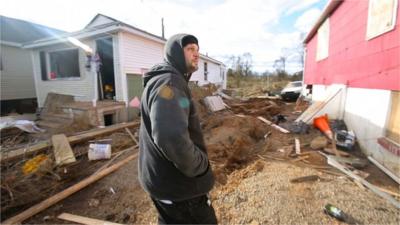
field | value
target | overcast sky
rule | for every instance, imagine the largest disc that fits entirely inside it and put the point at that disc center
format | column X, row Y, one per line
column 223, row 27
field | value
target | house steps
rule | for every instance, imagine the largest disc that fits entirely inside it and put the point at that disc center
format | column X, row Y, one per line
column 54, row 120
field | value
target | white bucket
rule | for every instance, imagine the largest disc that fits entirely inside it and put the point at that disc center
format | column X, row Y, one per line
column 99, row 151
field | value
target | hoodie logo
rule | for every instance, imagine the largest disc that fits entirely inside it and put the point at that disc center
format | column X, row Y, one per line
column 166, row 92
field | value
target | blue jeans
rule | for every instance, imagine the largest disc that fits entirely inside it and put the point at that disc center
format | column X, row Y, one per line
column 191, row 211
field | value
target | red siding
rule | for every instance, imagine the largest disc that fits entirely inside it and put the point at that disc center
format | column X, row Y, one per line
column 353, row 60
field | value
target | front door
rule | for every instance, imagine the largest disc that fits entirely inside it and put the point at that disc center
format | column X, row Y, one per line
column 135, row 89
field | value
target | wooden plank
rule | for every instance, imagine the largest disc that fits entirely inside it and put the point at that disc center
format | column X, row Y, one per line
column 373, row 188
column 305, row 179
column 62, row 150
column 67, row 192
column 341, row 153
column 15, row 154
column 131, row 135
column 281, row 129
column 297, row 146
column 84, row 220
column 388, row 172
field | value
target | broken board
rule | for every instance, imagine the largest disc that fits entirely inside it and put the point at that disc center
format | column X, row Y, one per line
column 214, row 103
column 62, row 150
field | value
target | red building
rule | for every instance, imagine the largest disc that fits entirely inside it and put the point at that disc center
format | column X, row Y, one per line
column 357, row 44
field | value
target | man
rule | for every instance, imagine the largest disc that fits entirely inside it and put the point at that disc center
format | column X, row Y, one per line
column 173, row 163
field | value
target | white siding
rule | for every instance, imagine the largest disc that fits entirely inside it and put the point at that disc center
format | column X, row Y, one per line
column 215, row 75
column 17, row 80
column 366, row 113
column 82, row 88
column 139, row 54
column 99, row 21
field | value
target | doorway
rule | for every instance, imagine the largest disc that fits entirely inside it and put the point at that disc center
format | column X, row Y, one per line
column 106, row 79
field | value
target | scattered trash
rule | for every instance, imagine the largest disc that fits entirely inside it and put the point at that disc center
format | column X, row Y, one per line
column 335, row 212
column 112, row 190
column 93, row 202
column 297, row 127
column 25, row 125
column 278, row 118
column 99, row 151
column 32, row 165
column 345, row 139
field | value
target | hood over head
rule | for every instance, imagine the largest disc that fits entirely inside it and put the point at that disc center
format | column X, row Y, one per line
column 174, row 57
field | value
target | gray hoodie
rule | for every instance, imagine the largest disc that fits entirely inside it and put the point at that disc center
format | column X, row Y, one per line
column 173, row 162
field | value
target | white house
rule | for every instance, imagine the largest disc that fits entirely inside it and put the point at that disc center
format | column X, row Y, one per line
column 16, row 69
column 124, row 52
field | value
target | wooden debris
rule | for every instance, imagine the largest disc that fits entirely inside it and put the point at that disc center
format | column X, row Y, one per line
column 297, row 146
column 332, row 161
column 67, row 192
column 214, row 103
column 302, row 158
column 389, row 192
column 305, row 179
column 62, row 150
column 341, row 153
column 41, row 146
column 84, row 220
column 131, row 135
column 281, row 129
column 388, row 172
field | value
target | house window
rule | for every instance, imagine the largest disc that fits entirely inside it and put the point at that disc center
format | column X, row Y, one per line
column 381, row 17
column 205, row 71
column 63, row 64
column 323, row 41
column 393, row 126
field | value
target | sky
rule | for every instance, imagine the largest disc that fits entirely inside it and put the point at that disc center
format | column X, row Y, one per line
column 224, row 28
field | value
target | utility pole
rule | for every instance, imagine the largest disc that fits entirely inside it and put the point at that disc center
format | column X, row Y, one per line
column 162, row 27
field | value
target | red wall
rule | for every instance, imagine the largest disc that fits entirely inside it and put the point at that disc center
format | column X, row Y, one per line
column 352, row 60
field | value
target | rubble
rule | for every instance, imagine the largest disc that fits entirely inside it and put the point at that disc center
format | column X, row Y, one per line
column 259, row 169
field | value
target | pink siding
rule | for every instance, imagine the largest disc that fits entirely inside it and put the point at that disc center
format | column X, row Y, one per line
column 353, row 60
column 139, row 53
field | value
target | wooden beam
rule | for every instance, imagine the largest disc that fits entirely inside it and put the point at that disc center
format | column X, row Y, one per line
column 84, row 220
column 16, row 154
column 67, row 192
column 297, row 146
column 131, row 135
column 281, row 129
column 332, row 161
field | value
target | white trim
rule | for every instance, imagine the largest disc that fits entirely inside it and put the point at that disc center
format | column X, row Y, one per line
column 122, row 74
column 12, row 44
column 368, row 35
column 64, row 38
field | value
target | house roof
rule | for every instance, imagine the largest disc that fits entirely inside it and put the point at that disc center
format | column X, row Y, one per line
column 18, row 31
column 96, row 29
column 329, row 9
column 206, row 57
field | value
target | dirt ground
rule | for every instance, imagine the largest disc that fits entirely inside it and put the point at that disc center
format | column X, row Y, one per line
column 253, row 176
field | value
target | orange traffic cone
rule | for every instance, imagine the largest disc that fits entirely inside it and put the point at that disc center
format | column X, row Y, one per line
column 322, row 123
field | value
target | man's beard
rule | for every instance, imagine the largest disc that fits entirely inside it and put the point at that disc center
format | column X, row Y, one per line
column 192, row 68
